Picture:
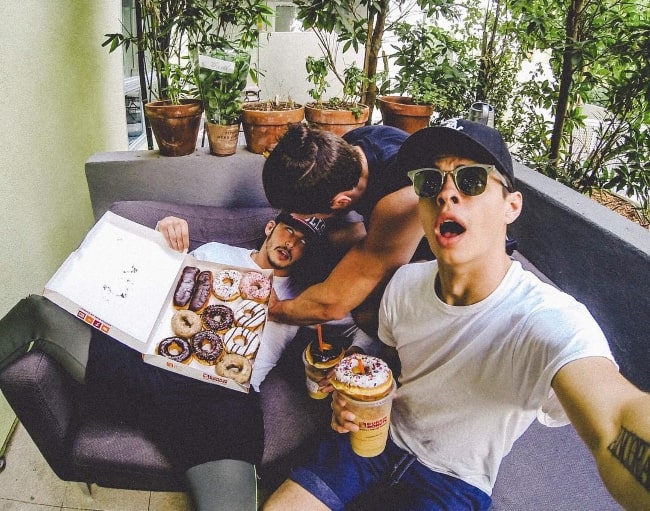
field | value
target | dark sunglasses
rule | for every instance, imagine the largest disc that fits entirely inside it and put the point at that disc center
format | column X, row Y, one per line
column 469, row 179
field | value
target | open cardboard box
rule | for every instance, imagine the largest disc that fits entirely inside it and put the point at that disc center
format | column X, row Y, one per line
column 121, row 280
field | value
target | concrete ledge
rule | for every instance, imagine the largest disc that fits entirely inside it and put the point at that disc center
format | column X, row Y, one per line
column 596, row 255
column 199, row 178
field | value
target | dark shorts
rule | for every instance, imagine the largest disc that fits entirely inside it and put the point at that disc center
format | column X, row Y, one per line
column 192, row 421
column 393, row 480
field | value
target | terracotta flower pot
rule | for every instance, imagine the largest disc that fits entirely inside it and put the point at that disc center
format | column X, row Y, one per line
column 176, row 127
column 263, row 128
column 338, row 122
column 222, row 139
column 400, row 112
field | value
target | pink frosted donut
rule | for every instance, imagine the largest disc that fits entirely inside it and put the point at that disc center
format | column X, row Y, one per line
column 255, row 286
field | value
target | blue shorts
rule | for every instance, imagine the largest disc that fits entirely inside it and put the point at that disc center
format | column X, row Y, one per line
column 393, row 480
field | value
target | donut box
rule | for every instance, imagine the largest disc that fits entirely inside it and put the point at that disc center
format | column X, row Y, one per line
column 188, row 316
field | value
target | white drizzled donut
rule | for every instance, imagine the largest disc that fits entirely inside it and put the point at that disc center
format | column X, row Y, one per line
column 241, row 341
column 226, row 285
column 255, row 286
column 250, row 314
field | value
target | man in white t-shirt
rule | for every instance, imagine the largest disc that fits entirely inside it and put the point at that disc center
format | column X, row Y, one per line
column 485, row 349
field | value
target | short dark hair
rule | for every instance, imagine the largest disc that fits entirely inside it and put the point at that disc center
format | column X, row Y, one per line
column 307, row 168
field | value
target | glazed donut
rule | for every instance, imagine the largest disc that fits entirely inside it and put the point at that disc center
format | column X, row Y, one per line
column 207, row 347
column 255, row 286
column 201, row 293
column 185, row 286
column 226, row 285
column 235, row 367
column 186, row 323
column 217, row 317
column 175, row 348
column 250, row 314
column 241, row 341
column 363, row 377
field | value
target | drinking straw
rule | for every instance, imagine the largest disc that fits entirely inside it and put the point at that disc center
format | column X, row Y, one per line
column 319, row 329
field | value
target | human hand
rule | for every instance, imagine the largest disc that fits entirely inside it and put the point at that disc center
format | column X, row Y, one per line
column 176, row 232
column 341, row 417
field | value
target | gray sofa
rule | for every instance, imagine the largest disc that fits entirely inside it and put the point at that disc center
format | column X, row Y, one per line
column 222, row 198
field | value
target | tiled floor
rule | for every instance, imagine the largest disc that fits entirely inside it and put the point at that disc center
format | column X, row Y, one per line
column 29, row 484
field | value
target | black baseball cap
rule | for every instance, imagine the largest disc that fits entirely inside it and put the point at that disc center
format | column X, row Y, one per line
column 456, row 137
column 312, row 227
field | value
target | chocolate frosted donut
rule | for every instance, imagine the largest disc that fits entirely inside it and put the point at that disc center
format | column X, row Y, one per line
column 217, row 317
column 333, row 349
column 175, row 348
column 201, row 292
column 185, row 286
column 207, row 347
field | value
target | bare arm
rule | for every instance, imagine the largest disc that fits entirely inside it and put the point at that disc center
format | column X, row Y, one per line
column 613, row 418
column 393, row 235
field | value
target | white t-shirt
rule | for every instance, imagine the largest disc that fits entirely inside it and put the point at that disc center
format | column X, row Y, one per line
column 475, row 377
column 276, row 335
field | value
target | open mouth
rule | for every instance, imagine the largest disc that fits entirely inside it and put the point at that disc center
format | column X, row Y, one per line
column 451, row 228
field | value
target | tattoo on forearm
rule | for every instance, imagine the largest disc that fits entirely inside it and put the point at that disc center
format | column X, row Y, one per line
column 634, row 453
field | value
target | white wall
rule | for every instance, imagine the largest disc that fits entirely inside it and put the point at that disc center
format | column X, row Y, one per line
column 61, row 102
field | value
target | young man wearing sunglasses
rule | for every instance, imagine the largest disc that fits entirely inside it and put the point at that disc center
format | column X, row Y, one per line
column 316, row 173
column 485, row 349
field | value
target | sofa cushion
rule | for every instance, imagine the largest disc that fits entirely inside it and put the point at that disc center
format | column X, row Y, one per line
column 243, row 227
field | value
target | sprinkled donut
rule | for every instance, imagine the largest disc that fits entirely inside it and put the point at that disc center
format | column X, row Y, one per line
column 241, row 341
column 217, row 317
column 250, row 314
column 363, row 377
column 186, row 323
column 207, row 347
column 176, row 349
column 235, row 367
column 255, row 286
column 226, row 285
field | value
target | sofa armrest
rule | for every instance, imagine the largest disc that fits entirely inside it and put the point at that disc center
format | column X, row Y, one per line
column 44, row 396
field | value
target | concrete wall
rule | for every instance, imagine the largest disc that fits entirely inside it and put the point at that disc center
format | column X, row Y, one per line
column 596, row 255
column 61, row 102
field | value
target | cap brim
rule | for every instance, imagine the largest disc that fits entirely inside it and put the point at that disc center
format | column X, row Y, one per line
column 294, row 222
column 425, row 146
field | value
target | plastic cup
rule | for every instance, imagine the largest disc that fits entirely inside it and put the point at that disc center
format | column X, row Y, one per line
column 373, row 419
column 315, row 374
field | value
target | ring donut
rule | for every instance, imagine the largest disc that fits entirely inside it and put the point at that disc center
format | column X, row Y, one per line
column 186, row 323
column 235, row 367
column 176, row 349
column 241, row 341
column 217, row 317
column 250, row 314
column 207, row 347
column 255, row 286
column 226, row 285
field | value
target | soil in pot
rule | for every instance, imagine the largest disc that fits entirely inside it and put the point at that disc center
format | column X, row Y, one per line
column 400, row 112
column 265, row 123
column 176, row 127
column 336, row 120
column 222, row 139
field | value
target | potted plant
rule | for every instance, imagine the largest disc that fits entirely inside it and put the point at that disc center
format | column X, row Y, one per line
column 221, row 77
column 265, row 122
column 338, row 115
column 168, row 30
column 433, row 73
column 164, row 29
